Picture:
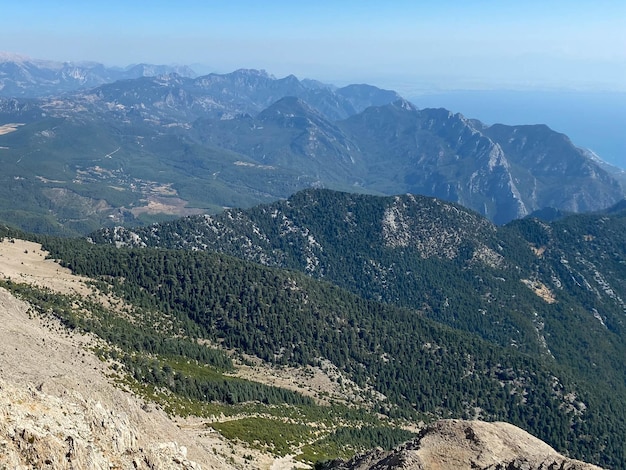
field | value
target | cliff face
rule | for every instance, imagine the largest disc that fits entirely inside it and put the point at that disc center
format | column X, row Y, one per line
column 466, row 445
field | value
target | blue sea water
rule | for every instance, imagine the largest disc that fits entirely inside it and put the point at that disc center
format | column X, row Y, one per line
column 593, row 120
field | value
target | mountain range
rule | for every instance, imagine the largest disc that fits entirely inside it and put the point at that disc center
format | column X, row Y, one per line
column 427, row 309
column 147, row 148
column 22, row 76
column 281, row 270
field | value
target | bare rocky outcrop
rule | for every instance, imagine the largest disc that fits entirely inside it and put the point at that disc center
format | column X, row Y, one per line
column 466, row 445
column 38, row 430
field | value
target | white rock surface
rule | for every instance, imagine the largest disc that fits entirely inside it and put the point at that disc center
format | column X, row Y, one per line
column 468, row 445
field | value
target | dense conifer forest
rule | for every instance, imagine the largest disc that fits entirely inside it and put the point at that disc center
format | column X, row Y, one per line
column 425, row 369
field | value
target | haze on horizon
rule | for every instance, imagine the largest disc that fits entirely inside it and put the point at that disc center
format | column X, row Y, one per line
column 405, row 45
column 415, row 48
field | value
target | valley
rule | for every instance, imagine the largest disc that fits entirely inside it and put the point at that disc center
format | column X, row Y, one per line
column 244, row 138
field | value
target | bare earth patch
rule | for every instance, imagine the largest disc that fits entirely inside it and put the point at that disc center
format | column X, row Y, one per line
column 10, row 127
column 323, row 384
column 23, row 261
column 541, row 290
column 538, row 251
column 165, row 205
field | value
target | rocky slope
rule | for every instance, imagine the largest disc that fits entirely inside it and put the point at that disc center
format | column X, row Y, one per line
column 503, row 172
column 58, row 409
column 466, row 445
column 40, row 430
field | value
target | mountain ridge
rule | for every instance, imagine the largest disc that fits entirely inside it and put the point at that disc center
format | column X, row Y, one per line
column 207, row 143
column 514, row 353
column 438, row 258
column 465, row 445
column 22, row 76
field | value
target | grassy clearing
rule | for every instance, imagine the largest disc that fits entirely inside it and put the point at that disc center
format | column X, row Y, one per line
column 279, row 437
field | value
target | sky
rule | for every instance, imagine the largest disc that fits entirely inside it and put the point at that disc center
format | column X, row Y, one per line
column 417, row 48
column 404, row 45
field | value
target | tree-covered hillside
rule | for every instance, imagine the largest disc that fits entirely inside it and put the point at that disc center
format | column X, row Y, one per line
column 553, row 291
column 424, row 369
column 528, row 285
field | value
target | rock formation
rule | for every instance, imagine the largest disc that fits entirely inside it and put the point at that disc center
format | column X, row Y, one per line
column 466, row 445
column 58, row 409
column 42, row 431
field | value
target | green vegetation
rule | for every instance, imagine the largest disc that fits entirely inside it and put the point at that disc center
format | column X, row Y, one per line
column 278, row 437
column 61, row 178
column 454, row 267
column 155, row 355
column 347, row 441
column 283, row 436
column 189, row 379
column 457, row 336
column 423, row 368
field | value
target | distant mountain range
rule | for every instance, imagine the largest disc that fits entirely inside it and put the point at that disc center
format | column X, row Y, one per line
column 142, row 149
column 22, row 76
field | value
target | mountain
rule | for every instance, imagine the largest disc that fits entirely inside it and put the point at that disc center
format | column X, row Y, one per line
column 618, row 173
column 62, row 407
column 321, row 323
column 553, row 291
column 423, row 310
column 129, row 152
column 181, row 99
column 250, row 91
column 561, row 175
column 150, row 148
column 287, row 134
column 29, row 78
column 437, row 153
column 423, row 253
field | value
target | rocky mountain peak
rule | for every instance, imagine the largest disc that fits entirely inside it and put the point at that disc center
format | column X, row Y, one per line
column 12, row 57
column 26, row 77
column 252, row 73
column 151, row 70
column 288, row 108
column 405, row 104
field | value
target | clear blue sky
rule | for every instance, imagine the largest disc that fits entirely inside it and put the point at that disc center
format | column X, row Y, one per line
column 405, row 45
